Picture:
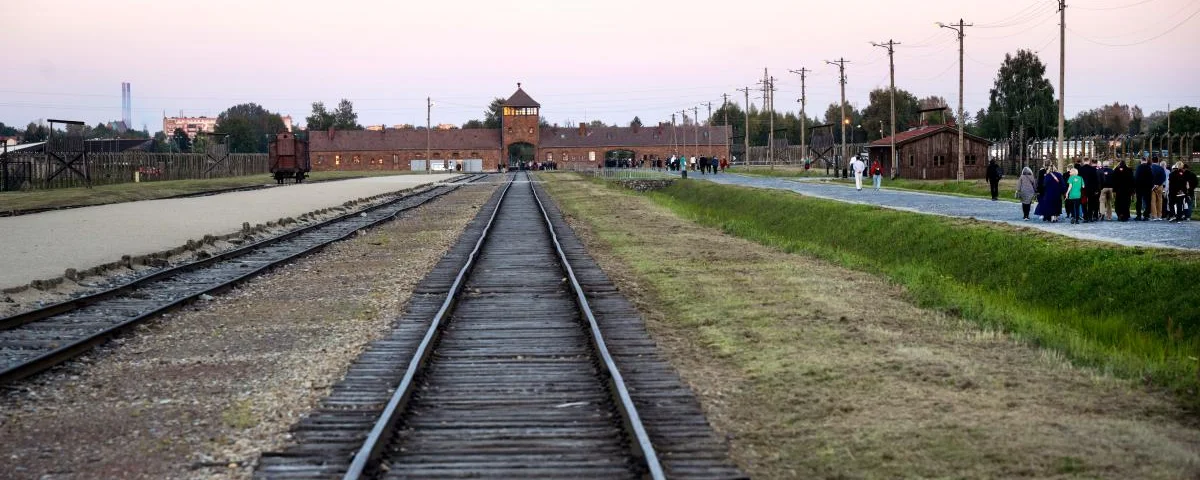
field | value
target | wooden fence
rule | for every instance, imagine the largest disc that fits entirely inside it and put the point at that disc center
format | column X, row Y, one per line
column 37, row 170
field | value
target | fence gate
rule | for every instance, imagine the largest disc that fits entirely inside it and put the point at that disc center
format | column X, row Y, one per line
column 66, row 153
column 821, row 144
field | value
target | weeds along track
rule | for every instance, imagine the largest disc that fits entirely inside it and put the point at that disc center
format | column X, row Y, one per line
column 33, row 341
column 501, row 368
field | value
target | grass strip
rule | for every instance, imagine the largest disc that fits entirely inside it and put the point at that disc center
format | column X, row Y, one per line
column 130, row 192
column 1131, row 311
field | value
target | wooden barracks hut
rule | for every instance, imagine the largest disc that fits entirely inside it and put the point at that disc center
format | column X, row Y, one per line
column 520, row 138
column 931, row 152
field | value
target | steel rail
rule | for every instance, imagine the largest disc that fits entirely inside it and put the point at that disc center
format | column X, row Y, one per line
column 75, row 348
column 628, row 409
column 77, row 303
column 376, row 440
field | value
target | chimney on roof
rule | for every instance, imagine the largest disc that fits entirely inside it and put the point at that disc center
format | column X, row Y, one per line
column 331, row 133
column 583, row 129
column 636, row 128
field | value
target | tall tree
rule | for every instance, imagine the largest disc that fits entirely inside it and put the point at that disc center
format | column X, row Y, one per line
column 636, row 122
column 1021, row 101
column 181, row 141
column 35, row 133
column 249, row 127
column 8, row 131
column 494, row 115
column 344, row 117
column 473, row 124
column 1183, row 120
column 320, row 119
column 877, row 115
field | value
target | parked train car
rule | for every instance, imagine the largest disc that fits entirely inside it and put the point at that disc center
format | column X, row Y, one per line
column 289, row 158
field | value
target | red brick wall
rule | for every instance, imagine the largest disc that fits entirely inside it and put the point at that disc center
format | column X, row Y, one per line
column 396, row 159
column 520, row 128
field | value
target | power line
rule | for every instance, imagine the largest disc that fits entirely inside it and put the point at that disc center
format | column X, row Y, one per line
column 1151, row 39
column 1117, row 7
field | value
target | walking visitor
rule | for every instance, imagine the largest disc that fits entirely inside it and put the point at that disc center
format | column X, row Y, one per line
column 993, row 178
column 1026, row 191
column 858, row 166
column 1123, row 188
column 1074, row 196
column 1143, row 181
column 876, row 174
column 1049, row 205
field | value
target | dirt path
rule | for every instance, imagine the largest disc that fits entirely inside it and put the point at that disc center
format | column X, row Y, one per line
column 201, row 393
column 816, row 371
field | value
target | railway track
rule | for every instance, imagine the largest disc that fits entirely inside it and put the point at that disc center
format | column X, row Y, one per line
column 34, row 341
column 502, row 369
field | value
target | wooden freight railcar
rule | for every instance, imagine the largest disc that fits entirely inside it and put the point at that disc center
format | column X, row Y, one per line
column 289, row 158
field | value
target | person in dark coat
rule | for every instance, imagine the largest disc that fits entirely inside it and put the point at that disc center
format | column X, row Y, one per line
column 1106, row 190
column 1143, row 184
column 1190, row 198
column 1177, row 187
column 1049, row 205
column 1091, row 190
column 1040, row 177
column 993, row 178
column 1123, row 186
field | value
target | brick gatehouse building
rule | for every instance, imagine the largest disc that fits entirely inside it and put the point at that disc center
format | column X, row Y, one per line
column 519, row 139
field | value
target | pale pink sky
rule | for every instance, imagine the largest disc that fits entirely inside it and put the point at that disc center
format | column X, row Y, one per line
column 582, row 60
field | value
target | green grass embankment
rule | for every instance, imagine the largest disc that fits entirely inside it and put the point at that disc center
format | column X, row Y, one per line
column 1132, row 311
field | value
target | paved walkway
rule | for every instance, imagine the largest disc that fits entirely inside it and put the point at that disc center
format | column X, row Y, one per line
column 44, row 245
column 1185, row 235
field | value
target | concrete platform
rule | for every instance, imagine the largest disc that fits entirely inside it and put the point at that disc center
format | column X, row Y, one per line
column 44, row 245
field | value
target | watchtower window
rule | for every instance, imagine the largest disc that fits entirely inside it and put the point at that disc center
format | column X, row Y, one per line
column 520, row 111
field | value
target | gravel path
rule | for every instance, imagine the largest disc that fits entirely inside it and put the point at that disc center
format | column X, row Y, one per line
column 44, row 245
column 200, row 393
column 1184, row 235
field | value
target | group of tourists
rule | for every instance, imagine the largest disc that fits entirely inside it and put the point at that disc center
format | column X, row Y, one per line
column 1090, row 185
column 701, row 164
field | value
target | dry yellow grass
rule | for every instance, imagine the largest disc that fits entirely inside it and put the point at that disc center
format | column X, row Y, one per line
column 814, row 370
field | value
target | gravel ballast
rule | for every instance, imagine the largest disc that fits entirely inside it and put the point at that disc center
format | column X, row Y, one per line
column 45, row 245
column 200, row 393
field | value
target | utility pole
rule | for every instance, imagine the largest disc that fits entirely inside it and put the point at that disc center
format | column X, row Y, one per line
column 746, row 130
column 428, row 134
column 725, row 114
column 696, row 129
column 841, row 63
column 803, row 116
column 961, row 152
column 768, row 86
column 1062, row 75
column 891, row 49
column 709, row 127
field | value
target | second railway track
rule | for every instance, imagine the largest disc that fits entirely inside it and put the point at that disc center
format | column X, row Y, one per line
column 500, row 369
column 33, row 341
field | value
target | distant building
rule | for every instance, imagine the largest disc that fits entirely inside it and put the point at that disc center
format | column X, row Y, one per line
column 446, row 126
column 931, row 152
column 375, row 128
column 190, row 125
column 403, row 126
column 5, row 140
column 520, row 140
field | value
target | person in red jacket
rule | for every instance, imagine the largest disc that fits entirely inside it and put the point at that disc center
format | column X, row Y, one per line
column 876, row 174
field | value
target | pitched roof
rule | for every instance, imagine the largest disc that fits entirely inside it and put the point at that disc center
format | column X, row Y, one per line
column 520, row 99
column 922, row 132
column 553, row 137
column 366, row 140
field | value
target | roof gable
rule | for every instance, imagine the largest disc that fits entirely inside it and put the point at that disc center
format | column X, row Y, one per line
column 520, row 99
column 922, row 132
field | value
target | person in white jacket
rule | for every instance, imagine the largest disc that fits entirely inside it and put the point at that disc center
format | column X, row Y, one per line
column 859, row 167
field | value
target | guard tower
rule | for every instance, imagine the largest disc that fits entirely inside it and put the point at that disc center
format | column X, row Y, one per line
column 519, row 128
